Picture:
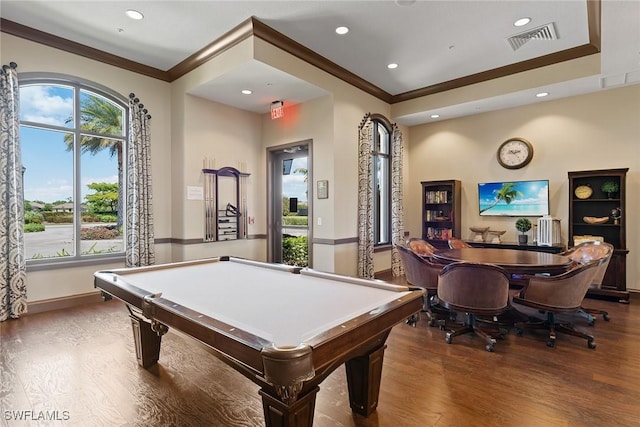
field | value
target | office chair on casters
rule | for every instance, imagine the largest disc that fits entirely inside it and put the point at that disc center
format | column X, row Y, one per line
column 584, row 253
column 553, row 295
column 478, row 290
column 423, row 273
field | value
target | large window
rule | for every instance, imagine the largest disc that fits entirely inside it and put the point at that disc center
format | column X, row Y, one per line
column 73, row 141
column 381, row 152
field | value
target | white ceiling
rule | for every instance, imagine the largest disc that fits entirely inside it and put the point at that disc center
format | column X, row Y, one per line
column 432, row 41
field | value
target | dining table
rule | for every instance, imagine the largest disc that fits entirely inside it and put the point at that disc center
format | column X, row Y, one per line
column 517, row 263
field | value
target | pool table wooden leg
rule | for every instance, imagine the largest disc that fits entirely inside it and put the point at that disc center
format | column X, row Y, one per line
column 363, row 378
column 297, row 414
column 147, row 342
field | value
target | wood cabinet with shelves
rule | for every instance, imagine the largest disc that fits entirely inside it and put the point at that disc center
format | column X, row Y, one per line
column 440, row 211
column 594, row 203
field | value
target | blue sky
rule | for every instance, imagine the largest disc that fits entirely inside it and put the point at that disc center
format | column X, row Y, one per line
column 49, row 166
column 293, row 185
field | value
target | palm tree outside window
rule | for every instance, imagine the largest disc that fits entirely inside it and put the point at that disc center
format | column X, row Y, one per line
column 73, row 140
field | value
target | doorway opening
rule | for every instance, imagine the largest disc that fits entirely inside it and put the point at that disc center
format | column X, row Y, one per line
column 289, row 233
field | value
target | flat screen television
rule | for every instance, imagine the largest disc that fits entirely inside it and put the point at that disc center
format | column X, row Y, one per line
column 514, row 198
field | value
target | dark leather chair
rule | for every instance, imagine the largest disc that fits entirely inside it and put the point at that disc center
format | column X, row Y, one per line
column 421, row 272
column 591, row 251
column 554, row 295
column 481, row 291
column 457, row 244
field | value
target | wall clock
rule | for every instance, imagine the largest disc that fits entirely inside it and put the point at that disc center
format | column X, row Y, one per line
column 515, row 153
column 583, row 192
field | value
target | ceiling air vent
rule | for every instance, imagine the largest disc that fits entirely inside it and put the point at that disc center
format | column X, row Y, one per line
column 545, row 32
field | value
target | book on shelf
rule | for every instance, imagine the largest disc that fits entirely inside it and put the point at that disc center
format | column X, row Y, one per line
column 439, row 196
column 439, row 233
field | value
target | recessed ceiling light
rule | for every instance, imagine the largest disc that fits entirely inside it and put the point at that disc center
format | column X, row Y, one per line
column 342, row 30
column 521, row 22
column 134, row 14
column 542, row 94
column 405, row 2
column 392, row 66
column 435, row 116
column 246, row 92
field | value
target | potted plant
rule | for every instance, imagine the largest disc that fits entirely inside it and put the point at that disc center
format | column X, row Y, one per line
column 523, row 225
column 610, row 187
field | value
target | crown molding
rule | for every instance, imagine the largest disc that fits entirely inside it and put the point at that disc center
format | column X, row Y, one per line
column 66, row 45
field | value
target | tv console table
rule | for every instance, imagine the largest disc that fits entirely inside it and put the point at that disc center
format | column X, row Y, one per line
column 554, row 249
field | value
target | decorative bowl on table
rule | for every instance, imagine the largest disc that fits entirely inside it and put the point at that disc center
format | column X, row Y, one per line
column 595, row 220
column 496, row 235
column 479, row 237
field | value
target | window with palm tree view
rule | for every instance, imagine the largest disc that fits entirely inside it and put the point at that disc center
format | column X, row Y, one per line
column 73, row 146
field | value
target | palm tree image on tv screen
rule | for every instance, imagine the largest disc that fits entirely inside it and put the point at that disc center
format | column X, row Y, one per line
column 515, row 198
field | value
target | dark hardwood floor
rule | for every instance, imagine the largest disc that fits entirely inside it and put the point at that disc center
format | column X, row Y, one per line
column 79, row 365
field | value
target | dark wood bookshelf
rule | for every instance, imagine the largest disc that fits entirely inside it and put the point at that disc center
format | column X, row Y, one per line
column 441, row 202
column 600, row 205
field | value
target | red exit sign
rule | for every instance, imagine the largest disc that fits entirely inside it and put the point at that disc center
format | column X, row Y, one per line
column 277, row 110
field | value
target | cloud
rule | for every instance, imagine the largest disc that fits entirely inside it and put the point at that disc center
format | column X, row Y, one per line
column 50, row 193
column 294, row 186
column 46, row 104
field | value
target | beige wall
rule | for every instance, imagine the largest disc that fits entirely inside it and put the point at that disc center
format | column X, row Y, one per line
column 595, row 131
column 332, row 123
column 199, row 129
column 224, row 136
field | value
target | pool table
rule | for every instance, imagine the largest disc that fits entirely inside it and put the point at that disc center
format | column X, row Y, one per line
column 284, row 328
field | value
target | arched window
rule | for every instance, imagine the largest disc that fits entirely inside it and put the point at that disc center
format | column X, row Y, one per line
column 380, row 210
column 73, row 138
column 381, row 153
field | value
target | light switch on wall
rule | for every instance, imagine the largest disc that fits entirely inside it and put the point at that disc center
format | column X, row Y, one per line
column 319, row 221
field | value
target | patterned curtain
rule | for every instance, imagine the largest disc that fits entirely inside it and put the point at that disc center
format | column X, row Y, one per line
column 139, row 249
column 397, row 209
column 365, row 200
column 13, row 269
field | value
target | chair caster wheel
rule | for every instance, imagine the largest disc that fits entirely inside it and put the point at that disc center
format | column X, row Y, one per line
column 448, row 338
column 519, row 332
column 551, row 343
column 591, row 322
column 591, row 344
column 413, row 320
column 606, row 317
column 489, row 347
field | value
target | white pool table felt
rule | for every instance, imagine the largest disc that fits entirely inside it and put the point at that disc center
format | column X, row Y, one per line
column 281, row 307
